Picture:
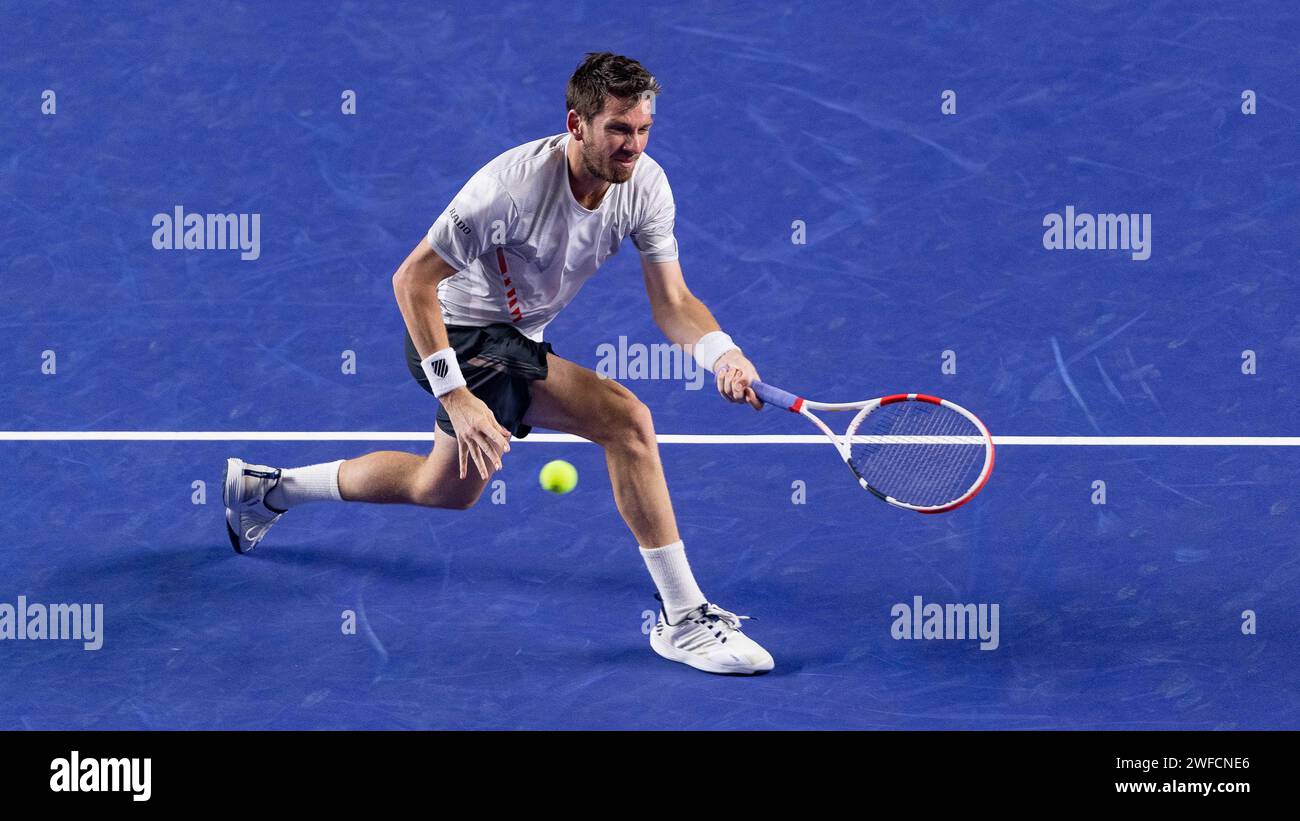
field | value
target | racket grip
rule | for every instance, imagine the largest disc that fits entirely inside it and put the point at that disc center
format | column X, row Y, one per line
column 776, row 396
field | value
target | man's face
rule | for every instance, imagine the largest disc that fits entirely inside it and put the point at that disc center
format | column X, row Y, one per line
column 614, row 139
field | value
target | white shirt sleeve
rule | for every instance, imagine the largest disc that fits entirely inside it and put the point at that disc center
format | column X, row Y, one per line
column 481, row 217
column 654, row 236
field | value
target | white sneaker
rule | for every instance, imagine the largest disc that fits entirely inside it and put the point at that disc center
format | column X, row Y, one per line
column 709, row 639
column 244, row 492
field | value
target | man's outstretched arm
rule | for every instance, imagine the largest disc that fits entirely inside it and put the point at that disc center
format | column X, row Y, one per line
column 688, row 322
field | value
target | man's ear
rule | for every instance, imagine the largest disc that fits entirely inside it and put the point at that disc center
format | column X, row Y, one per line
column 575, row 125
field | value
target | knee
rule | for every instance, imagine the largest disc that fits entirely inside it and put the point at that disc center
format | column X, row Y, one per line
column 453, row 503
column 640, row 426
column 434, row 495
column 627, row 422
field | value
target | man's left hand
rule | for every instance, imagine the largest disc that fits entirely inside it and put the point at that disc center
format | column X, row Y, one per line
column 735, row 373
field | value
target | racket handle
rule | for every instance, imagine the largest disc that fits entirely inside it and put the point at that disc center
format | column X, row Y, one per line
column 776, row 396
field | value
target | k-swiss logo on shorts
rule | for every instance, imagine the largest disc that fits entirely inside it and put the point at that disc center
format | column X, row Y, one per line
column 440, row 368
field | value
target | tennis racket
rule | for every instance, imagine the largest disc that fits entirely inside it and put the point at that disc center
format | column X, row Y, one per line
column 911, row 450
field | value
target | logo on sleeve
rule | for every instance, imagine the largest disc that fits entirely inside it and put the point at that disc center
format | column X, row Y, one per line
column 460, row 223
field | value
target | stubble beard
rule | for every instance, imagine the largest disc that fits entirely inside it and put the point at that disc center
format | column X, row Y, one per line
column 603, row 168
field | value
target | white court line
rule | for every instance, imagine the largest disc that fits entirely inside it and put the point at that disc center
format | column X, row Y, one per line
column 664, row 438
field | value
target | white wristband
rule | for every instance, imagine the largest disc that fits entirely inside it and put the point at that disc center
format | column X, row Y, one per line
column 711, row 346
column 443, row 371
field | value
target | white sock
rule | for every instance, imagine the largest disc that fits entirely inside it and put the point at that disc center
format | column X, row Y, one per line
column 314, row 483
column 672, row 575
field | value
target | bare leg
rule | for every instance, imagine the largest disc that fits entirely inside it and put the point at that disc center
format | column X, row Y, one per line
column 574, row 399
column 394, row 477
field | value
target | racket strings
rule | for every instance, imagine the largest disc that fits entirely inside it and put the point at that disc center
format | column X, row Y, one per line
column 919, row 453
column 936, row 460
column 943, row 471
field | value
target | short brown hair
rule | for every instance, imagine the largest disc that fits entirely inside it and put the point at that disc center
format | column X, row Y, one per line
column 605, row 74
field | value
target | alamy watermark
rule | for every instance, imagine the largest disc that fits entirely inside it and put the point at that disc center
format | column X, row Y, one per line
column 638, row 361
column 1098, row 232
column 55, row 622
column 77, row 774
column 179, row 231
column 953, row 622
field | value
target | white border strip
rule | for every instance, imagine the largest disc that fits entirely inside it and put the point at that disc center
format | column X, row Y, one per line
column 664, row 438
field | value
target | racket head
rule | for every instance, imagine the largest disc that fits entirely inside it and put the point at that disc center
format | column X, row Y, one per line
column 919, row 452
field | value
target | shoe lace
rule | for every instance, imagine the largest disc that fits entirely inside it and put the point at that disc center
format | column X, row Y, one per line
column 712, row 612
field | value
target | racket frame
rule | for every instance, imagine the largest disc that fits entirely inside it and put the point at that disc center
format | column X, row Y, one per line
column 844, row 443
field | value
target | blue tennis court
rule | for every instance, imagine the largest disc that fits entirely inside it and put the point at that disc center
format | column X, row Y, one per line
column 853, row 237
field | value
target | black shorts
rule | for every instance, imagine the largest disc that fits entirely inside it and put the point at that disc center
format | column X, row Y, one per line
column 498, row 364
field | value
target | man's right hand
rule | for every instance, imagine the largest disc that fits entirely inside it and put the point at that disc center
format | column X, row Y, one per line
column 478, row 434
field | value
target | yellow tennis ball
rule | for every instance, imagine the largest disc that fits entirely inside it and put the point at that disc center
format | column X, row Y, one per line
column 559, row 476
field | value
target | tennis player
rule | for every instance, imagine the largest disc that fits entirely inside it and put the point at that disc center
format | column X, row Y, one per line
column 509, row 252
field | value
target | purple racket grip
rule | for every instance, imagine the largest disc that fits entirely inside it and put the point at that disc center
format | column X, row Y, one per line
column 776, row 396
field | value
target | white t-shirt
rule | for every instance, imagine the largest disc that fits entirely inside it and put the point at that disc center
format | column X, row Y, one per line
column 523, row 246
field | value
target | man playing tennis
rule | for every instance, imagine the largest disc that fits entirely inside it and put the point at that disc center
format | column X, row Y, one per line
column 511, row 250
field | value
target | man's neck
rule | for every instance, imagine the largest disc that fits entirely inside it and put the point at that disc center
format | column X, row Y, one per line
column 587, row 189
